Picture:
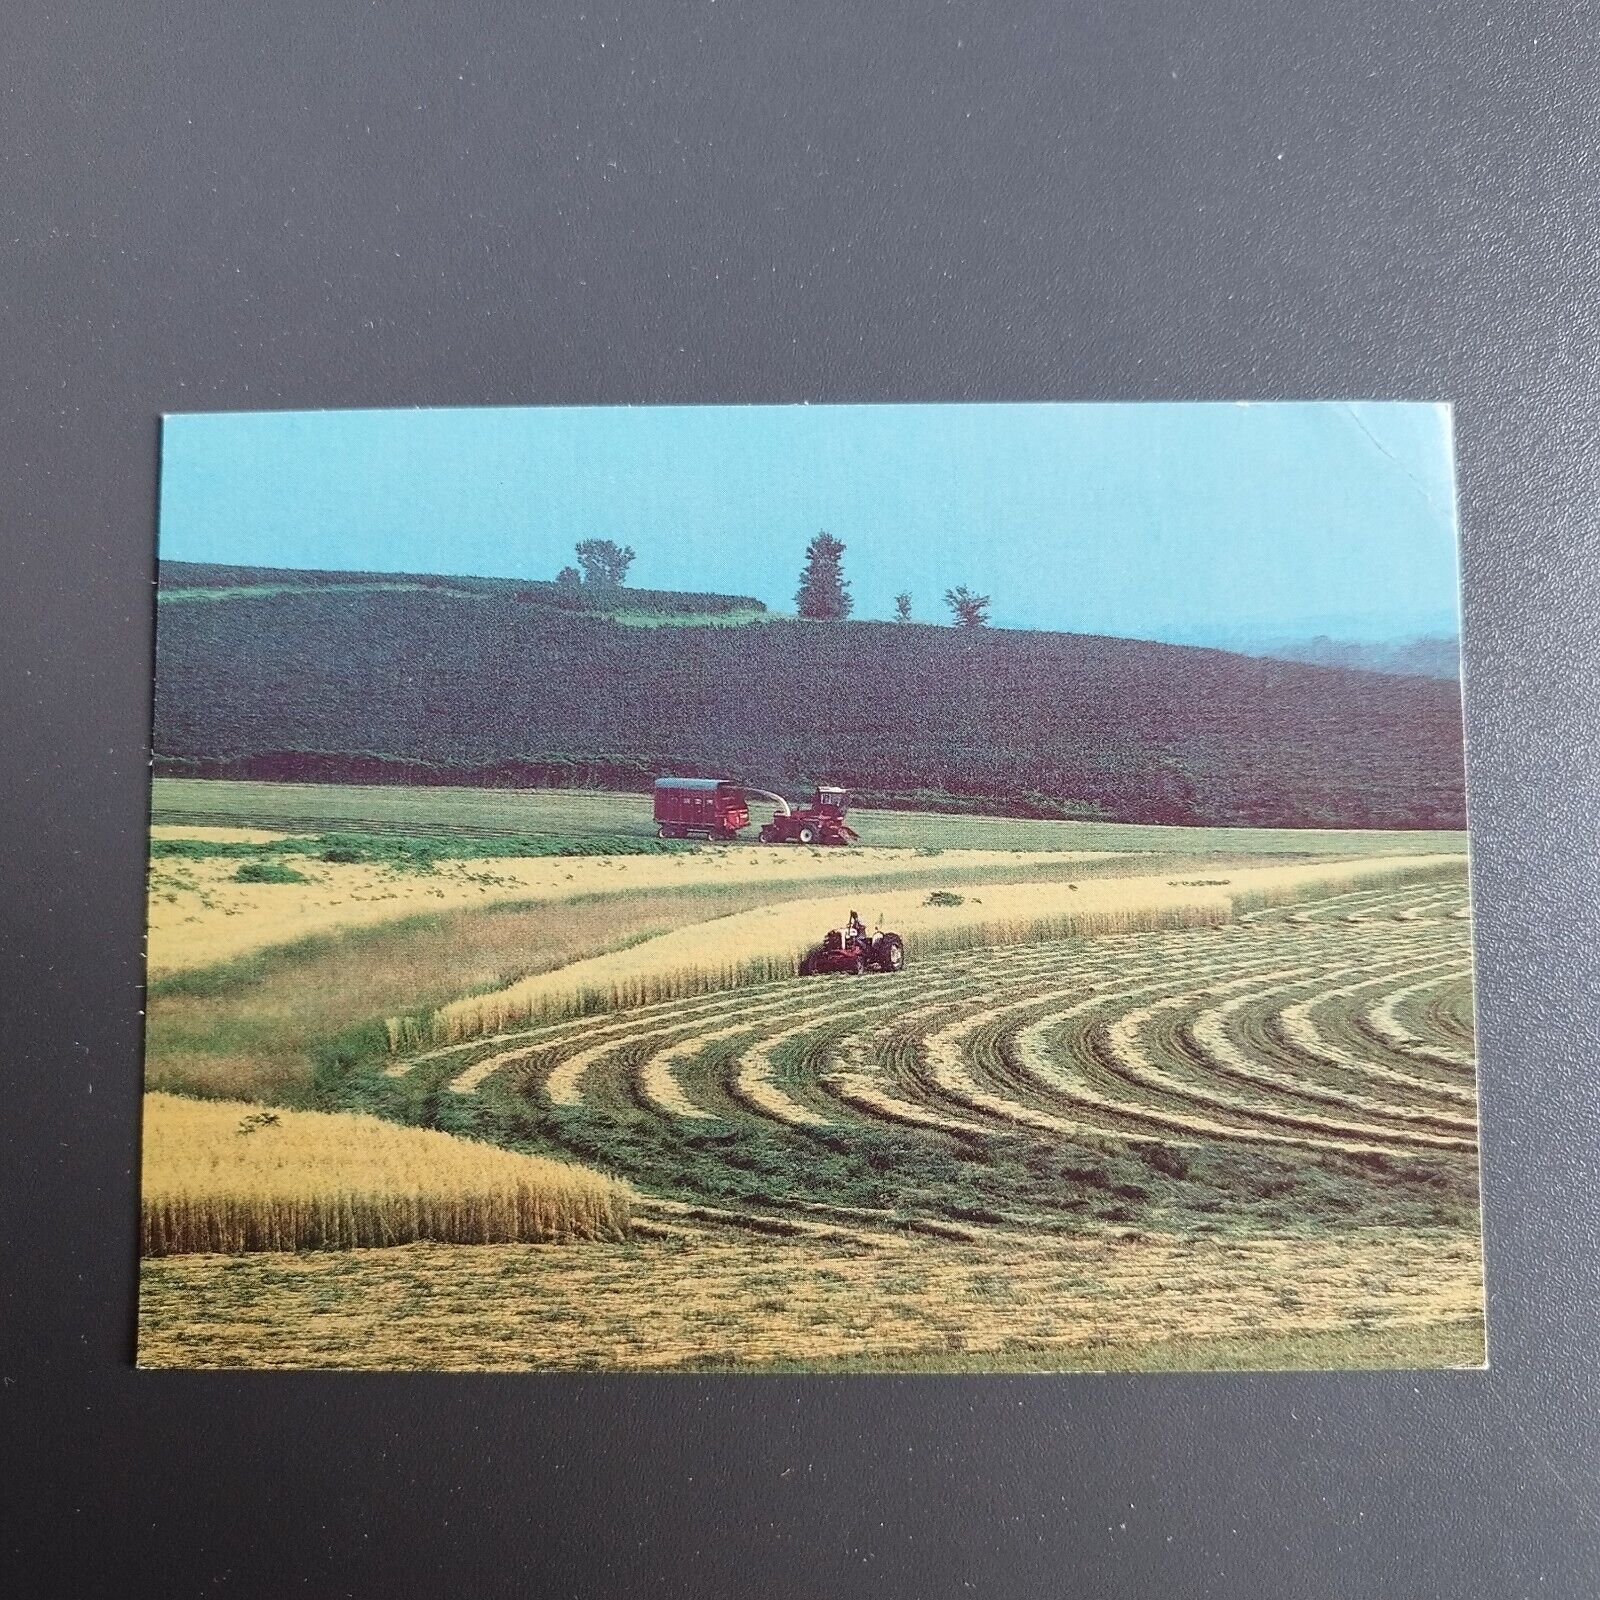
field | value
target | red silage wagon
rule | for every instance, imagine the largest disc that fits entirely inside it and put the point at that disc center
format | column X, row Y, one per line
column 711, row 807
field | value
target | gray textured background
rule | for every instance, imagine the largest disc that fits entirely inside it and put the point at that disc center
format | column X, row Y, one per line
column 270, row 204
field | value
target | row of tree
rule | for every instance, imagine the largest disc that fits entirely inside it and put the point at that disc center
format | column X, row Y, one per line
column 824, row 592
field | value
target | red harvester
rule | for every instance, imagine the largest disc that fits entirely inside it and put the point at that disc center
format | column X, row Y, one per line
column 820, row 822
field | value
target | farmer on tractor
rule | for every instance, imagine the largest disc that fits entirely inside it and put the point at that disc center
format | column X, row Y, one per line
column 852, row 949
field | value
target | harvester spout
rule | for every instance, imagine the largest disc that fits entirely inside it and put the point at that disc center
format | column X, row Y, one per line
column 776, row 799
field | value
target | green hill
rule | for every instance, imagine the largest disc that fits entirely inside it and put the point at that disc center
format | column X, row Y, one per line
column 367, row 677
column 198, row 582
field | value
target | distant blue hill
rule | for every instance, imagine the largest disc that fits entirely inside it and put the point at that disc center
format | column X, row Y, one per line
column 1436, row 657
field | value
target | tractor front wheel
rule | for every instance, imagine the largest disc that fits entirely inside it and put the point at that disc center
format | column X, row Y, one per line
column 807, row 835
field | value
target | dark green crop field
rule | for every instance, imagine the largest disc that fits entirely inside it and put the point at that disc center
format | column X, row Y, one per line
column 381, row 678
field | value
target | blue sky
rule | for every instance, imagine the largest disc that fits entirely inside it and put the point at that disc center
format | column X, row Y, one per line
column 1200, row 522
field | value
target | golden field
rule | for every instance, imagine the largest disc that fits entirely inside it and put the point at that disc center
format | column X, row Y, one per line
column 227, row 1176
column 215, row 835
column 1378, row 1297
column 1199, row 1098
column 200, row 914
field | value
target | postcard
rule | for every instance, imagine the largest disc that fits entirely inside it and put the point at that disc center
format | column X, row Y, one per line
column 869, row 888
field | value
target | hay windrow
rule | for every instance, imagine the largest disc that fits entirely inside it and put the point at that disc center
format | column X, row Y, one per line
column 764, row 944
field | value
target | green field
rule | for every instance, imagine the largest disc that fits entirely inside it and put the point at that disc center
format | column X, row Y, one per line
column 452, row 810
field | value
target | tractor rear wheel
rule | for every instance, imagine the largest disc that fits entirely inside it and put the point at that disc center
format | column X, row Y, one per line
column 767, row 836
column 890, row 953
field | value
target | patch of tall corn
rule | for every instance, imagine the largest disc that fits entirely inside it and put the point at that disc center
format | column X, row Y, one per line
column 763, row 944
column 228, row 1176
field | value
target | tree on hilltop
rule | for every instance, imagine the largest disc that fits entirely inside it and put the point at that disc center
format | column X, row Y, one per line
column 605, row 563
column 902, row 607
column 824, row 590
column 967, row 610
column 569, row 578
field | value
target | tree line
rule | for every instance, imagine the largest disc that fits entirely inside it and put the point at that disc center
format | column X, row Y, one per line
column 824, row 592
column 823, row 595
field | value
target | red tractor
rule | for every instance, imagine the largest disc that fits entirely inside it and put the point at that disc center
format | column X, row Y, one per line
column 852, row 949
column 820, row 822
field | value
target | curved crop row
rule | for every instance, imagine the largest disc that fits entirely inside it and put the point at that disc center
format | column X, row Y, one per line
column 1347, row 1036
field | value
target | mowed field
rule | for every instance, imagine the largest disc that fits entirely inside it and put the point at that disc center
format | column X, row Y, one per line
column 419, row 811
column 1245, row 1139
